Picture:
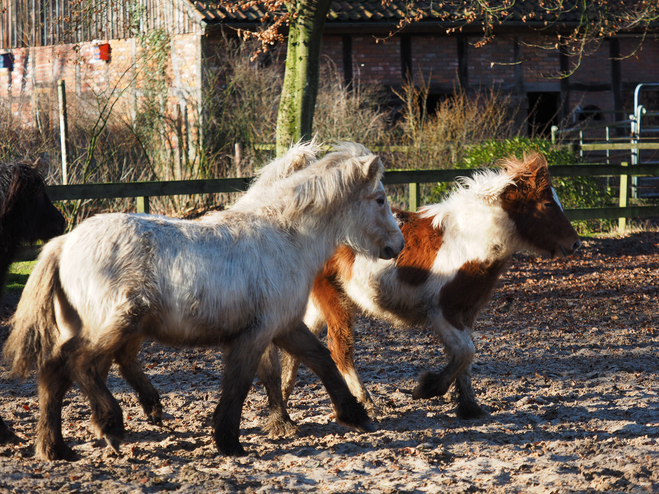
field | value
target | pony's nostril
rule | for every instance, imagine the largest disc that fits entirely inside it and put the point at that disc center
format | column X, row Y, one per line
column 576, row 245
column 388, row 252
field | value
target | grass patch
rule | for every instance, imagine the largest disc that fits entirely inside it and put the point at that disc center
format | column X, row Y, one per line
column 18, row 275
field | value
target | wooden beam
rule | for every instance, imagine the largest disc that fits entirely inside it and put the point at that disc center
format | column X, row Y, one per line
column 622, row 146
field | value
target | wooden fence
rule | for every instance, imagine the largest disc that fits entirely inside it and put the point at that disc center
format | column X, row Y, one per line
column 143, row 190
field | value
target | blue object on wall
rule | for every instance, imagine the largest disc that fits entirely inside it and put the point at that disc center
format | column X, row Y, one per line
column 7, row 61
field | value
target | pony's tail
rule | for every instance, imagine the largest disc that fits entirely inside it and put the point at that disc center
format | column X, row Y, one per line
column 34, row 328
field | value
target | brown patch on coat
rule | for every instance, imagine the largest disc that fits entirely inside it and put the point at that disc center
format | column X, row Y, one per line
column 466, row 294
column 335, row 306
column 340, row 264
column 422, row 242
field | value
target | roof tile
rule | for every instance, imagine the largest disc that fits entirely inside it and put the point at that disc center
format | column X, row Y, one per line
column 432, row 10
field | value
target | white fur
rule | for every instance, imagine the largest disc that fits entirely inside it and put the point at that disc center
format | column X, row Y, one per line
column 231, row 271
column 474, row 228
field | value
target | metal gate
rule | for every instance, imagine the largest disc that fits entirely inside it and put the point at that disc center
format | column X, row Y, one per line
column 644, row 128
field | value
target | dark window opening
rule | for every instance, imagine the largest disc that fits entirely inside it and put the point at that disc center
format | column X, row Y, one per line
column 543, row 113
column 590, row 112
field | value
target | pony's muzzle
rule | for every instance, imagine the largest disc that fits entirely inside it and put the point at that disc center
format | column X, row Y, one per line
column 390, row 253
column 575, row 247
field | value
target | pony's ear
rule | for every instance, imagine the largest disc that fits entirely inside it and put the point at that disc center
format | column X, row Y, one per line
column 540, row 173
column 372, row 167
column 532, row 172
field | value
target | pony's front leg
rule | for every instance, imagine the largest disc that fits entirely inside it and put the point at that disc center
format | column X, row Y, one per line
column 241, row 361
column 301, row 343
column 53, row 382
column 269, row 372
column 132, row 372
column 341, row 344
column 459, row 351
column 468, row 407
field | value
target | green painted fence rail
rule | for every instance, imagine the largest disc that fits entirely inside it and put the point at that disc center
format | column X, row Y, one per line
column 143, row 190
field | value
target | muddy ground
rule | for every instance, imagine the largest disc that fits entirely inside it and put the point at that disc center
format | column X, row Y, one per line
column 567, row 365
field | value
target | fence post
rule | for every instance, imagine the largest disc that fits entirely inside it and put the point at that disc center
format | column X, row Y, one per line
column 63, row 129
column 414, row 196
column 622, row 221
column 238, row 158
column 142, row 204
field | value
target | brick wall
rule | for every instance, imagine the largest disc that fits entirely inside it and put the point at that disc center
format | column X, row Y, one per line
column 332, row 50
column 434, row 58
column 593, row 70
column 492, row 64
column 377, row 61
column 40, row 68
column 540, row 66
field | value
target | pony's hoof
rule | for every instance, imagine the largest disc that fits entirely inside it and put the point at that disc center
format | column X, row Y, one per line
column 470, row 411
column 430, row 385
column 154, row 419
column 8, row 437
column 113, row 442
column 155, row 416
column 355, row 416
column 277, row 428
column 232, row 450
column 54, row 452
column 367, row 427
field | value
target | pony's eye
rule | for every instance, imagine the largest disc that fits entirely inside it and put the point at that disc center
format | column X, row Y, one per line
column 380, row 201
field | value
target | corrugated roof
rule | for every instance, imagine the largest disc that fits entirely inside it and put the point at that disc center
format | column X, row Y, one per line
column 350, row 11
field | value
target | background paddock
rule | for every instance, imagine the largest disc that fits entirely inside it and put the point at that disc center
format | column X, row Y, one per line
column 567, row 363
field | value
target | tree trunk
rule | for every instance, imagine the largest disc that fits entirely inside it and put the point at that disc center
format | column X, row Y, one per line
column 298, row 98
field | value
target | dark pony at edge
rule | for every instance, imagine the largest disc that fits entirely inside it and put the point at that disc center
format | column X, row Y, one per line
column 26, row 215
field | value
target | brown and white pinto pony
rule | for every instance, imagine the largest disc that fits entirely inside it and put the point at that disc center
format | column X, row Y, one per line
column 454, row 254
column 238, row 279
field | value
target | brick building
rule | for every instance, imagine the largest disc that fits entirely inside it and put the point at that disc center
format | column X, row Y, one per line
column 104, row 52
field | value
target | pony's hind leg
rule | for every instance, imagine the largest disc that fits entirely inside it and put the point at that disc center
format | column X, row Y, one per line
column 460, row 352
column 131, row 370
column 290, row 366
column 107, row 418
column 241, row 361
column 53, row 382
column 269, row 372
column 301, row 343
column 290, row 363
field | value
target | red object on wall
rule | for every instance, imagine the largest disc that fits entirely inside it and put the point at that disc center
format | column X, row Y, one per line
column 102, row 52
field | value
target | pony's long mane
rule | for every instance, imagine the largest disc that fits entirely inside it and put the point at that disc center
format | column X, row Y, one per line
column 298, row 157
column 486, row 186
column 532, row 168
column 315, row 188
